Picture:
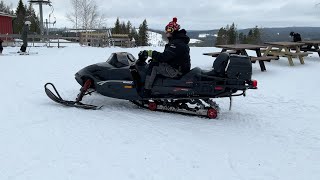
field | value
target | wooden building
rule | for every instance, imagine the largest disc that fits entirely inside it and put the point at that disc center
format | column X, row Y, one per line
column 6, row 26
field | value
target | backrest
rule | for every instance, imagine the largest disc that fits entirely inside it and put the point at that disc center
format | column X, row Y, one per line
column 220, row 63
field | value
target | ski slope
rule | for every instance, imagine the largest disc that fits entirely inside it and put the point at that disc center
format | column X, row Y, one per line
column 273, row 133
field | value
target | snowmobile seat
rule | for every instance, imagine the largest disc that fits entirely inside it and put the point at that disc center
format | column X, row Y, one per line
column 192, row 75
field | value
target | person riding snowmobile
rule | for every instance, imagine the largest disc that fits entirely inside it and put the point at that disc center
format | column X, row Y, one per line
column 24, row 36
column 173, row 62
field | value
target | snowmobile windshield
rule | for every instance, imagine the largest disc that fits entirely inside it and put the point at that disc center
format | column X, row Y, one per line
column 120, row 60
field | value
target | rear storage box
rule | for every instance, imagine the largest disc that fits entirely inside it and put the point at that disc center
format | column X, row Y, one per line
column 239, row 69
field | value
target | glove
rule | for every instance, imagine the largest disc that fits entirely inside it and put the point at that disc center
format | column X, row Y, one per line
column 149, row 53
column 143, row 55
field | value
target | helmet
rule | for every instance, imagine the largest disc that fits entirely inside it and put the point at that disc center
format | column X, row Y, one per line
column 27, row 23
column 291, row 33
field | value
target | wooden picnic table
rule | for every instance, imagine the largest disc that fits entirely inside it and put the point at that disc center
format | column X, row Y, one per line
column 284, row 49
column 241, row 49
column 311, row 46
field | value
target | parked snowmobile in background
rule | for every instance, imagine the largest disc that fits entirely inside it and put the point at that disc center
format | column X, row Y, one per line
column 122, row 77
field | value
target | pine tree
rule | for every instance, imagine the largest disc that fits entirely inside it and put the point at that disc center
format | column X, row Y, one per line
column 5, row 8
column 128, row 27
column 257, row 35
column 143, row 33
column 32, row 17
column 241, row 37
column 117, row 28
column 19, row 21
column 222, row 36
column 123, row 28
column 232, row 34
column 134, row 35
column 250, row 37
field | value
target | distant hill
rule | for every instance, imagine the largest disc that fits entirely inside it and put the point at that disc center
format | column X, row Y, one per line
column 208, row 37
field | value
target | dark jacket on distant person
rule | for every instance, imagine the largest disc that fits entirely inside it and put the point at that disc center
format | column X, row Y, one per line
column 1, row 47
column 296, row 37
column 24, row 34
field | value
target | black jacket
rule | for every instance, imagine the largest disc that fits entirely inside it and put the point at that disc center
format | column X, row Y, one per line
column 296, row 37
column 176, row 52
column 24, row 34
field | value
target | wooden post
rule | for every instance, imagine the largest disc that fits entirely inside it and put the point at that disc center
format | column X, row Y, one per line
column 287, row 51
column 58, row 42
column 300, row 56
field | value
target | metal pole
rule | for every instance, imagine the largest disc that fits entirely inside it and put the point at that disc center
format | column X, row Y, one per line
column 41, row 17
column 47, row 27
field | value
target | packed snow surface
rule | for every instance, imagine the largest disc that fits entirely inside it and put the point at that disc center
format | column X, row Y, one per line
column 271, row 134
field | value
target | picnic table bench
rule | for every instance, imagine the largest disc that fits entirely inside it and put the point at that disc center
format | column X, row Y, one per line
column 311, row 46
column 240, row 49
column 283, row 49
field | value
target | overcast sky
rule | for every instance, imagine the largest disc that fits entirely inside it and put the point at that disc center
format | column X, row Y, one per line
column 198, row 14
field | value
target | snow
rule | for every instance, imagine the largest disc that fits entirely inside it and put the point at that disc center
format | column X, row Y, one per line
column 203, row 35
column 155, row 39
column 272, row 133
column 192, row 41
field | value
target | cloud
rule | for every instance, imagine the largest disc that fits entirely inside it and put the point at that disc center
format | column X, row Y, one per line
column 201, row 14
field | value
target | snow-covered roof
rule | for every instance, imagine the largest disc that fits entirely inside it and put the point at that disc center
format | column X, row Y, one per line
column 6, row 14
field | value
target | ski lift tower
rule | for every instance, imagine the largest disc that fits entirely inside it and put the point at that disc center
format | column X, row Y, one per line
column 41, row 2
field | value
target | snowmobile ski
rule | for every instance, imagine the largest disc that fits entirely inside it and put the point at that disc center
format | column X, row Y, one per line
column 58, row 99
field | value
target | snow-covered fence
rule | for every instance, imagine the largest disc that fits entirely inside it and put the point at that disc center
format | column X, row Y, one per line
column 105, row 39
column 37, row 40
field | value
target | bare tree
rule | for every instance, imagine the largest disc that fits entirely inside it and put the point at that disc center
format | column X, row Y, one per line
column 75, row 14
column 85, row 14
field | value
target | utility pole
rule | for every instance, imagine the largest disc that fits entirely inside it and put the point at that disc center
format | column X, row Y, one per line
column 41, row 2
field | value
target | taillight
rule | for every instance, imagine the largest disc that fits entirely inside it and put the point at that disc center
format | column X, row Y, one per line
column 218, row 88
column 255, row 84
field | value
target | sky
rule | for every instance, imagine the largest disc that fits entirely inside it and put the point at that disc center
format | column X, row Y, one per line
column 197, row 14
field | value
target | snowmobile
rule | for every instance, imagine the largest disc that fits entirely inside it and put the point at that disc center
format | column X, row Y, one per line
column 122, row 76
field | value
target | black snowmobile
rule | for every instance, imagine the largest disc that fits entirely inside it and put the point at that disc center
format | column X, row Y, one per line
column 122, row 77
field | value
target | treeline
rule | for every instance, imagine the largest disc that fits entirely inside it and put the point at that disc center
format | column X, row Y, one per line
column 5, row 8
column 23, row 13
column 230, row 35
column 140, row 36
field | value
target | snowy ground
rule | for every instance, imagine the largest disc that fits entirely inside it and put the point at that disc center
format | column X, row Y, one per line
column 272, row 134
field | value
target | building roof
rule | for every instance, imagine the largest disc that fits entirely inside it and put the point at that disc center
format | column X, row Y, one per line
column 6, row 14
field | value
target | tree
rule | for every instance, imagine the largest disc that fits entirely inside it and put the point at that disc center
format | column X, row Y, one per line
column 21, row 15
column 257, row 35
column 117, row 28
column 222, row 36
column 242, row 38
column 74, row 16
column 128, row 27
column 232, row 34
column 143, row 34
column 123, row 28
column 85, row 14
column 32, row 17
column 134, row 35
column 5, row 8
